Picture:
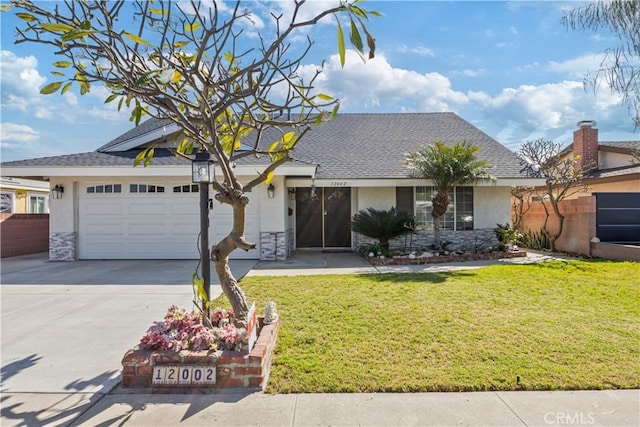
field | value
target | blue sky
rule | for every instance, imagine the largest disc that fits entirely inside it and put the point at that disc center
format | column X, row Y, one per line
column 510, row 68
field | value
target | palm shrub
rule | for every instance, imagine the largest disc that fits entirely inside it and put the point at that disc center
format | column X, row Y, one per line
column 447, row 166
column 381, row 225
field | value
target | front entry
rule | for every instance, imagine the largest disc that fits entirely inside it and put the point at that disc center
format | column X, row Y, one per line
column 323, row 218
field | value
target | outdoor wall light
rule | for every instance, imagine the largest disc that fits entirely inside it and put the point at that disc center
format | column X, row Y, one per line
column 202, row 168
column 271, row 191
column 292, row 193
column 57, row 191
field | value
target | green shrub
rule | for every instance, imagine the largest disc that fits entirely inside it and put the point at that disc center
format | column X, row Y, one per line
column 382, row 225
column 536, row 240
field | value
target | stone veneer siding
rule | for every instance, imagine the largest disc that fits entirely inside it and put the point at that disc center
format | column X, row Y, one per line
column 275, row 246
column 468, row 240
column 63, row 246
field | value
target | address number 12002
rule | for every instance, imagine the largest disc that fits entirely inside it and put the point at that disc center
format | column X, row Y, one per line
column 169, row 374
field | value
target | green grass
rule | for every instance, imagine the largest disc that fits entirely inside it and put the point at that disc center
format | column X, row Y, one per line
column 555, row 325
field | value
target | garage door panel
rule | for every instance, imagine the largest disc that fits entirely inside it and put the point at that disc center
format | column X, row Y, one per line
column 182, row 229
column 185, row 208
column 101, row 208
column 104, row 229
column 153, row 226
column 148, row 209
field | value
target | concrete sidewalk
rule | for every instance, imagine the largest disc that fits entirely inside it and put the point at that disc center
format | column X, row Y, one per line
column 586, row 408
column 66, row 326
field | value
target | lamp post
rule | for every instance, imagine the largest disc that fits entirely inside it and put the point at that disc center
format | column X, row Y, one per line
column 203, row 174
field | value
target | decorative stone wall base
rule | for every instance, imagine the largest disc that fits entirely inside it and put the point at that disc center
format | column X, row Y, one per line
column 467, row 240
column 63, row 246
column 274, row 246
column 234, row 369
column 446, row 258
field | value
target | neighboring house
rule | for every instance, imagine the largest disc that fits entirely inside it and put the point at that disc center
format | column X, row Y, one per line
column 20, row 195
column 609, row 211
column 611, row 166
column 111, row 210
column 24, row 219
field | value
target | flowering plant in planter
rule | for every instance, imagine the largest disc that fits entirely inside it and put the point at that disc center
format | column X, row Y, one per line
column 182, row 330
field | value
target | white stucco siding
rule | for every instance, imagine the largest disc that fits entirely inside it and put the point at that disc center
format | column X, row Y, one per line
column 609, row 160
column 376, row 197
column 273, row 212
column 62, row 216
column 491, row 206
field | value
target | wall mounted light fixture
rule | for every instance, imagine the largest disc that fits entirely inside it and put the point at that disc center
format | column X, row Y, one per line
column 271, row 191
column 292, row 193
column 56, row 191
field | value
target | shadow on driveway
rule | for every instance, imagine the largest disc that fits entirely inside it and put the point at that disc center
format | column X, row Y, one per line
column 38, row 270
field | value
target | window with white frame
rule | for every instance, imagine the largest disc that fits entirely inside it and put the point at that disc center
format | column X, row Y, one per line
column 104, row 189
column 459, row 215
column 7, row 200
column 38, row 203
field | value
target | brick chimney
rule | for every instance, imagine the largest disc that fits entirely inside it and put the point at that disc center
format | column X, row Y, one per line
column 585, row 144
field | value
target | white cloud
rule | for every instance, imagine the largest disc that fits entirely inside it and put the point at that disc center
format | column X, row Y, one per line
column 577, row 67
column 377, row 85
column 469, row 72
column 550, row 110
column 20, row 81
column 418, row 50
column 14, row 134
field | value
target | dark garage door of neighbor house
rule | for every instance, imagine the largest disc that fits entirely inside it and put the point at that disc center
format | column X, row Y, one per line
column 618, row 217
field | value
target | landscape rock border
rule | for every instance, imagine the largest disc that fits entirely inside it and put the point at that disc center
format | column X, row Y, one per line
column 405, row 260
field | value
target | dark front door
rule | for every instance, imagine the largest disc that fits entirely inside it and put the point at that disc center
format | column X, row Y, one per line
column 308, row 218
column 323, row 218
column 337, row 217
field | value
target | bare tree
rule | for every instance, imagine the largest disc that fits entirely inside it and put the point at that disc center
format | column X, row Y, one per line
column 208, row 68
column 563, row 177
column 620, row 68
column 521, row 203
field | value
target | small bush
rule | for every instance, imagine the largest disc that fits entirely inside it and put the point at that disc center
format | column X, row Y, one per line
column 536, row 240
column 382, row 225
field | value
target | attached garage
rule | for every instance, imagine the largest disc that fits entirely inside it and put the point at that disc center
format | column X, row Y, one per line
column 151, row 221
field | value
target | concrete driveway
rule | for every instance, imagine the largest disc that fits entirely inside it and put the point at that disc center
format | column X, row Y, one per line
column 66, row 325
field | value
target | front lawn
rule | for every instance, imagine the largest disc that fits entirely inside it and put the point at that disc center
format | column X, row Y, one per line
column 553, row 325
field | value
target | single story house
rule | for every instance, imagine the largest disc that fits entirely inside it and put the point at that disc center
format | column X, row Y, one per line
column 110, row 209
column 23, row 196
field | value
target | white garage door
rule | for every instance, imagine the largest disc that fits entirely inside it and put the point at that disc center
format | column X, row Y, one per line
column 151, row 221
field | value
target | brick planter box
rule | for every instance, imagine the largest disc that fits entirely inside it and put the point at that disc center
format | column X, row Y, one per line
column 234, row 369
column 446, row 258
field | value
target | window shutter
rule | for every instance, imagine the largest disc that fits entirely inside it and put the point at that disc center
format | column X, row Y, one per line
column 404, row 199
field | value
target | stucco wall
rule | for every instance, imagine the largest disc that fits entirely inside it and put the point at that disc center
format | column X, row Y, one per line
column 376, row 197
column 579, row 223
column 608, row 160
column 491, row 206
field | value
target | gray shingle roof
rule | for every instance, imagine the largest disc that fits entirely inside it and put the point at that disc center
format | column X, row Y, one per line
column 627, row 145
column 619, row 171
column 351, row 146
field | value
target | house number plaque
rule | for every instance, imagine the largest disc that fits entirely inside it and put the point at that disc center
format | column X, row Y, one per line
column 184, row 375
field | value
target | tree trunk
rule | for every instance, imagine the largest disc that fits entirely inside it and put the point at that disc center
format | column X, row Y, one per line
column 439, row 206
column 552, row 239
column 436, row 232
column 220, row 255
column 232, row 290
